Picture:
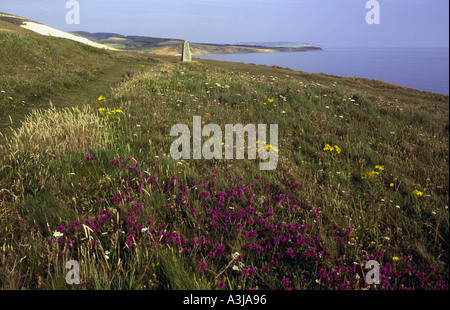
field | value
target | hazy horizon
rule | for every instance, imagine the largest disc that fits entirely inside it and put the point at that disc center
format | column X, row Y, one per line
column 327, row 23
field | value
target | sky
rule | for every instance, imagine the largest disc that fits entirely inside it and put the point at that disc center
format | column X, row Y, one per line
column 328, row 23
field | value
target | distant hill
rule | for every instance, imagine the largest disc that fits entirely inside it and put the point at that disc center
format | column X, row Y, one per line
column 279, row 44
column 170, row 46
column 153, row 45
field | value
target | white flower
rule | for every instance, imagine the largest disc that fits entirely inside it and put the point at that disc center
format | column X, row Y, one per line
column 235, row 255
column 57, row 234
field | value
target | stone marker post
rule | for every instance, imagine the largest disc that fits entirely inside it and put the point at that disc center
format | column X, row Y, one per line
column 186, row 52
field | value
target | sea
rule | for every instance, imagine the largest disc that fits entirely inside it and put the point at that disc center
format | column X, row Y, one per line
column 425, row 69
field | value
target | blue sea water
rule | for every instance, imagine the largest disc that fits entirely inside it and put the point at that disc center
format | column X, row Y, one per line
column 421, row 68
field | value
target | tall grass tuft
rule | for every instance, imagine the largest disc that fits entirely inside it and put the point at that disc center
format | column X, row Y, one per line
column 57, row 132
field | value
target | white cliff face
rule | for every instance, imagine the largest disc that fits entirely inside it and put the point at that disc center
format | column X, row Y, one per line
column 52, row 32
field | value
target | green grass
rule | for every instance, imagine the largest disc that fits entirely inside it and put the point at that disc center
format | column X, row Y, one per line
column 373, row 124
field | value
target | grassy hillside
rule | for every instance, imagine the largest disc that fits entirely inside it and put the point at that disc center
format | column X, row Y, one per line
column 363, row 174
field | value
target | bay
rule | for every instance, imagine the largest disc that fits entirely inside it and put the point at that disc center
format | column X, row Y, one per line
column 425, row 69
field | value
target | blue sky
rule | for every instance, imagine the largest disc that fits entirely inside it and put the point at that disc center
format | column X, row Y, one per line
column 330, row 23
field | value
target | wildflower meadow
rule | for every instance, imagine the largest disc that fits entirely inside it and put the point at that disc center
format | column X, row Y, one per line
column 361, row 176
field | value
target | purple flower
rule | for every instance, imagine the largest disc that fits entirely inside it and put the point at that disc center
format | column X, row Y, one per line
column 221, row 285
column 290, row 252
column 69, row 243
column 202, row 266
column 61, row 228
column 129, row 241
column 205, row 194
column 248, row 271
column 269, row 213
column 285, row 283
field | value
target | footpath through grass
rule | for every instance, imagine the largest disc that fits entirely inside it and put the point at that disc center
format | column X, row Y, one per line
column 362, row 175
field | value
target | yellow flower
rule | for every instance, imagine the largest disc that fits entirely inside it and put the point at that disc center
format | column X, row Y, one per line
column 378, row 167
column 101, row 109
column 142, row 66
column 270, row 100
column 370, row 174
column 418, row 193
column 328, row 147
column 391, row 185
column 270, row 147
column 372, row 242
column 101, row 98
column 395, row 258
column 118, row 111
column 337, row 149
